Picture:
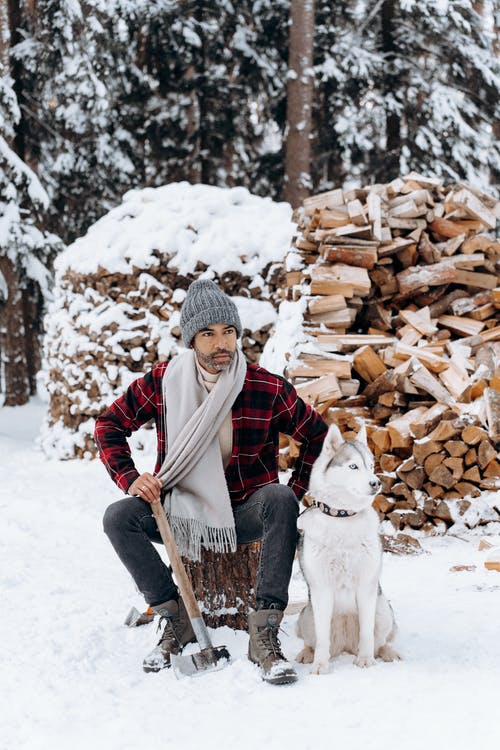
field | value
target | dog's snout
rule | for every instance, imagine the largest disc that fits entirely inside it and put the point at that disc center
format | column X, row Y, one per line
column 375, row 485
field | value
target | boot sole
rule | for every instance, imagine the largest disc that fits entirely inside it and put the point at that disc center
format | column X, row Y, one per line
column 285, row 679
column 148, row 669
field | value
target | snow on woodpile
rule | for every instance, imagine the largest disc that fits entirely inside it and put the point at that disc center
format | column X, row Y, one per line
column 119, row 290
column 392, row 316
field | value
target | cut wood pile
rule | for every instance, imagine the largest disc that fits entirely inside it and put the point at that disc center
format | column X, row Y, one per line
column 398, row 290
column 121, row 325
column 119, row 291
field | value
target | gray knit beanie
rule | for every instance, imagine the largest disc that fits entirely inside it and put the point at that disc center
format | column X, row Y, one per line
column 206, row 305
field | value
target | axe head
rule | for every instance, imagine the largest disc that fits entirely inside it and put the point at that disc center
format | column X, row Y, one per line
column 136, row 618
column 207, row 660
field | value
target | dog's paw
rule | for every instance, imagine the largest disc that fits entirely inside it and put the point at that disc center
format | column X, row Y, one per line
column 364, row 661
column 320, row 668
column 306, row 656
column 388, row 653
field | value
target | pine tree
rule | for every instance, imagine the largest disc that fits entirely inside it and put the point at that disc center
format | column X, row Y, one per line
column 405, row 85
column 25, row 250
column 205, row 87
column 73, row 59
column 347, row 64
column 448, row 87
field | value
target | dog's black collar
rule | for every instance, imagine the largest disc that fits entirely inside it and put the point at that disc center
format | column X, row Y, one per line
column 335, row 512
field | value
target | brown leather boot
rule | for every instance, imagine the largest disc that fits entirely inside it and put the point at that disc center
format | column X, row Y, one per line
column 177, row 633
column 264, row 647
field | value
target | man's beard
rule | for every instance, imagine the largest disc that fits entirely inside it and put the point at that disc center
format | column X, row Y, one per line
column 210, row 362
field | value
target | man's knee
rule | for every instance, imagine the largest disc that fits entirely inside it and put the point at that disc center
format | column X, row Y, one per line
column 281, row 500
column 116, row 516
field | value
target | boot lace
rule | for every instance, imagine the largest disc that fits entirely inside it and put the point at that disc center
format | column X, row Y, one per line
column 269, row 639
column 169, row 636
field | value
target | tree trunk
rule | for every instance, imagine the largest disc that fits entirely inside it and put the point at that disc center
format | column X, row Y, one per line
column 20, row 302
column 14, row 21
column 223, row 585
column 299, row 102
column 495, row 173
column 14, row 366
column 4, row 39
column 389, row 167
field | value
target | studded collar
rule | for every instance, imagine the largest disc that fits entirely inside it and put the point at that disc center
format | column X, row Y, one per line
column 334, row 512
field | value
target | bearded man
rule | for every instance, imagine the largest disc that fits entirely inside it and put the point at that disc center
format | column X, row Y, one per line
column 218, row 420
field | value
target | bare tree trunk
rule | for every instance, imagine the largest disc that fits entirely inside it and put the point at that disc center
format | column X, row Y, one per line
column 4, row 38
column 495, row 174
column 14, row 366
column 299, row 102
column 389, row 166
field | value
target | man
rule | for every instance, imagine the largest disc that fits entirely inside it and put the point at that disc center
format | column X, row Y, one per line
column 218, row 420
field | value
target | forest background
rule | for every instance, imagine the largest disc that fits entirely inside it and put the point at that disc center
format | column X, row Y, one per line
column 284, row 97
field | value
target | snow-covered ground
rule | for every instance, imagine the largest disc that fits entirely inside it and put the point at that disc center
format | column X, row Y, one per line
column 71, row 674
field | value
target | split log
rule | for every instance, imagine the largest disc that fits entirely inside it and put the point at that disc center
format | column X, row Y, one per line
column 419, row 277
column 466, row 200
column 425, row 447
column 422, row 424
column 492, row 401
column 328, row 200
column 325, row 388
column 308, row 368
column 368, row 364
column 422, row 378
column 399, row 430
column 352, row 255
column 330, row 303
column 389, row 462
column 485, row 453
column 325, row 280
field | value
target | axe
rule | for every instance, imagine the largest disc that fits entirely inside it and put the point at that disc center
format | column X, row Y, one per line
column 209, row 657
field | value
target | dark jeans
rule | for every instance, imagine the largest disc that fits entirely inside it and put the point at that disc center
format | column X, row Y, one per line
column 269, row 514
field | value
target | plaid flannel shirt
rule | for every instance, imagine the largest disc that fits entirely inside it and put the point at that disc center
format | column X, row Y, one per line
column 266, row 406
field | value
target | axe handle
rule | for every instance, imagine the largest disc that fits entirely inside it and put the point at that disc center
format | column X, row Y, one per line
column 183, row 581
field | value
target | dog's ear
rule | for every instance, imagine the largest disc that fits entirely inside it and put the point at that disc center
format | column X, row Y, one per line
column 334, row 439
column 361, row 436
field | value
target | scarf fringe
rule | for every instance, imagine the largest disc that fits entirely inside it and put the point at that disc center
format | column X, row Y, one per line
column 192, row 534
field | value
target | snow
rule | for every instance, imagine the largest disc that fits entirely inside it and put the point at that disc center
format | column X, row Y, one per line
column 229, row 229
column 35, row 190
column 72, row 675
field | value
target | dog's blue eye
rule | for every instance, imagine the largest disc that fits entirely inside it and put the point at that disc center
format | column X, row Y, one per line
column 353, row 466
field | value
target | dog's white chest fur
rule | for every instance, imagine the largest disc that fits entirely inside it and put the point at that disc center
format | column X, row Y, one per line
column 338, row 551
column 340, row 554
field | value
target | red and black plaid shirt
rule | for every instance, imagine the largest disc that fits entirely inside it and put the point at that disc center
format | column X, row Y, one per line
column 266, row 406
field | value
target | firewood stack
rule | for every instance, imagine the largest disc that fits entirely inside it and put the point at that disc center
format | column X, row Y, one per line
column 119, row 324
column 119, row 290
column 399, row 290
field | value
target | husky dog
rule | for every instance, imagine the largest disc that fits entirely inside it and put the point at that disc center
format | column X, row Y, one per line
column 340, row 554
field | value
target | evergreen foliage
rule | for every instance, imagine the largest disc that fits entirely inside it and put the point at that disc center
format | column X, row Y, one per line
column 405, row 85
column 208, row 79
column 23, row 202
column 72, row 62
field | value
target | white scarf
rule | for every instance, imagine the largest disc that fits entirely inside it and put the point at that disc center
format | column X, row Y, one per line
column 198, row 502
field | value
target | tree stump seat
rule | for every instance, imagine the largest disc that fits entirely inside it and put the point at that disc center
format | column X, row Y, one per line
column 224, row 585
